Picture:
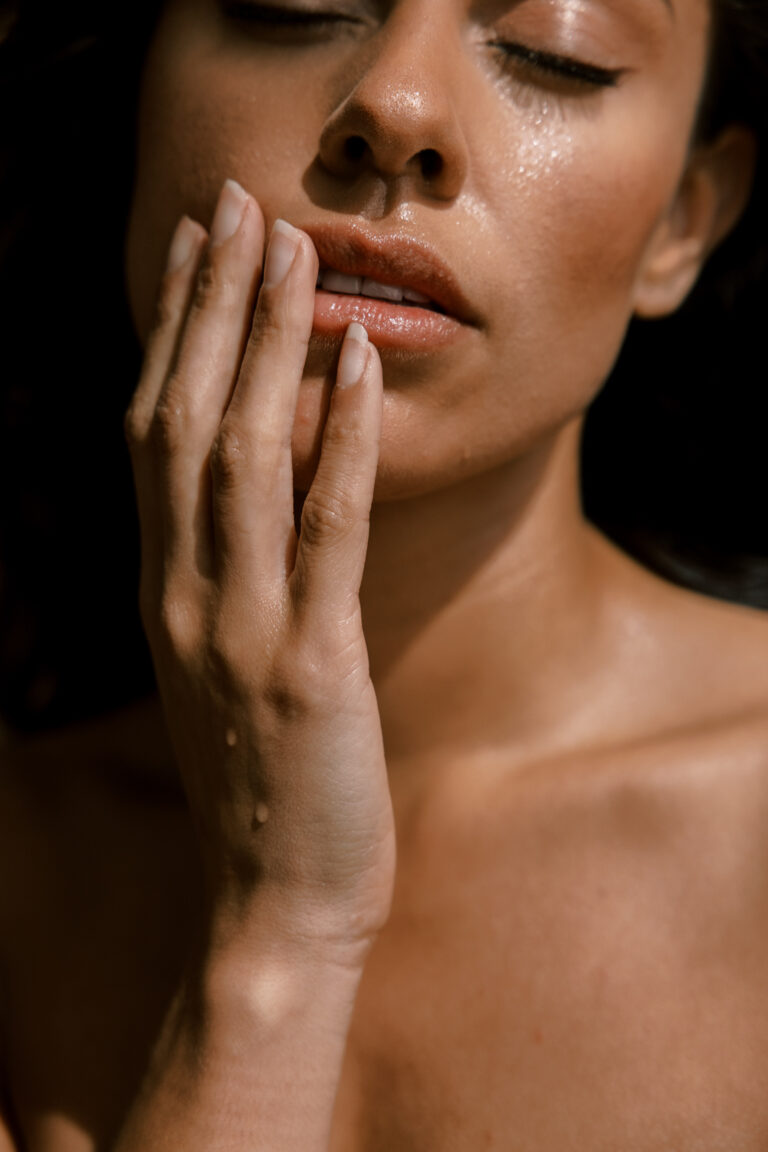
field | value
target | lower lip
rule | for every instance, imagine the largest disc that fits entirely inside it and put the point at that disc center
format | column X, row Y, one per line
column 388, row 325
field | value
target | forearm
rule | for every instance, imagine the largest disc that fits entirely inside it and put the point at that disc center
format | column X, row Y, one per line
column 249, row 1057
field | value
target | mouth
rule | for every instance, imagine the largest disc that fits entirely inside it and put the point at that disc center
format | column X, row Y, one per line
column 331, row 280
column 397, row 286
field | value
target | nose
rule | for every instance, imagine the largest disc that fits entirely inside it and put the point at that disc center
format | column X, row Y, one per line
column 400, row 120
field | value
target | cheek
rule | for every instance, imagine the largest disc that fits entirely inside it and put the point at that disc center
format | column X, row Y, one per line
column 584, row 202
column 201, row 123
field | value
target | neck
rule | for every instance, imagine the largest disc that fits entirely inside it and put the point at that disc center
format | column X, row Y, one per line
column 478, row 601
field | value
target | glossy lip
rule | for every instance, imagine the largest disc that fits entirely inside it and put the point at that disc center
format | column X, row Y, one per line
column 388, row 325
column 405, row 261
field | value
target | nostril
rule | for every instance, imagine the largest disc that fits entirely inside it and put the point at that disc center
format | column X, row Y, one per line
column 431, row 163
column 354, row 149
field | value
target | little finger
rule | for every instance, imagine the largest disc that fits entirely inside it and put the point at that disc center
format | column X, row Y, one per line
column 176, row 291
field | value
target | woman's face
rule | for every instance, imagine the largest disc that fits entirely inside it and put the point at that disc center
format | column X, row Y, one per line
column 532, row 150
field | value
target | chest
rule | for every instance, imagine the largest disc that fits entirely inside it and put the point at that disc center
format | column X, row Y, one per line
column 528, row 1000
column 472, row 1041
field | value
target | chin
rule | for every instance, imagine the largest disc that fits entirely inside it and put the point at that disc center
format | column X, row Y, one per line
column 411, row 464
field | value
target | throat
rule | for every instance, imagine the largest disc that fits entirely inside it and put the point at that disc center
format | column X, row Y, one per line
column 479, row 604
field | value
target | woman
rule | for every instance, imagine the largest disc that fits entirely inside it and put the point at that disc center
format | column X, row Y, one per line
column 570, row 950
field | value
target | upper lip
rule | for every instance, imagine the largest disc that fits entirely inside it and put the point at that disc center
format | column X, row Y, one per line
column 390, row 259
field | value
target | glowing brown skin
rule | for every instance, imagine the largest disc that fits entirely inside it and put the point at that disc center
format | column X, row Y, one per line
column 549, row 207
column 576, row 947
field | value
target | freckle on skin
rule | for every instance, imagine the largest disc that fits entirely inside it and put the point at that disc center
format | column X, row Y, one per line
column 231, row 737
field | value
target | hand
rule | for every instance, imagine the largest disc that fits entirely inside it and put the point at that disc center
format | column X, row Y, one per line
column 256, row 634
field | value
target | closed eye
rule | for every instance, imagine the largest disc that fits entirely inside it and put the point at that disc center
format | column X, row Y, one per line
column 550, row 65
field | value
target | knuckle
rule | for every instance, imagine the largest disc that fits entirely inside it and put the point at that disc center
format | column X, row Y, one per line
column 173, row 621
column 136, row 425
column 228, row 456
column 324, row 515
column 214, row 286
column 169, row 423
column 285, row 699
column 345, row 436
column 292, row 686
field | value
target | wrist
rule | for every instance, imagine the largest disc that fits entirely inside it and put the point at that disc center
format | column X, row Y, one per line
column 239, row 994
column 301, row 925
column 253, row 1043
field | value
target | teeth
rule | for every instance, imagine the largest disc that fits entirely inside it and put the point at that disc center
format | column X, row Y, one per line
column 338, row 282
column 381, row 291
column 414, row 296
column 333, row 281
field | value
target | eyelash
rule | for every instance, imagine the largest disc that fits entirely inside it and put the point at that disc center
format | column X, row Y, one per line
column 561, row 67
column 547, row 64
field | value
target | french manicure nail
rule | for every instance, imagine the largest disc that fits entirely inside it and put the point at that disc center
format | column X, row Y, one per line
column 282, row 248
column 354, row 356
column 229, row 212
column 182, row 245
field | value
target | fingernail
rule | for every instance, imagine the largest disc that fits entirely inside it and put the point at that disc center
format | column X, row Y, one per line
column 354, row 356
column 229, row 212
column 182, row 245
column 282, row 248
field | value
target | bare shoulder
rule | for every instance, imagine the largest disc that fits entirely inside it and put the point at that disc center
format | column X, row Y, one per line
column 698, row 798
column 670, row 836
column 644, row 864
column 691, row 775
column 655, row 816
column 675, row 758
column 691, row 660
